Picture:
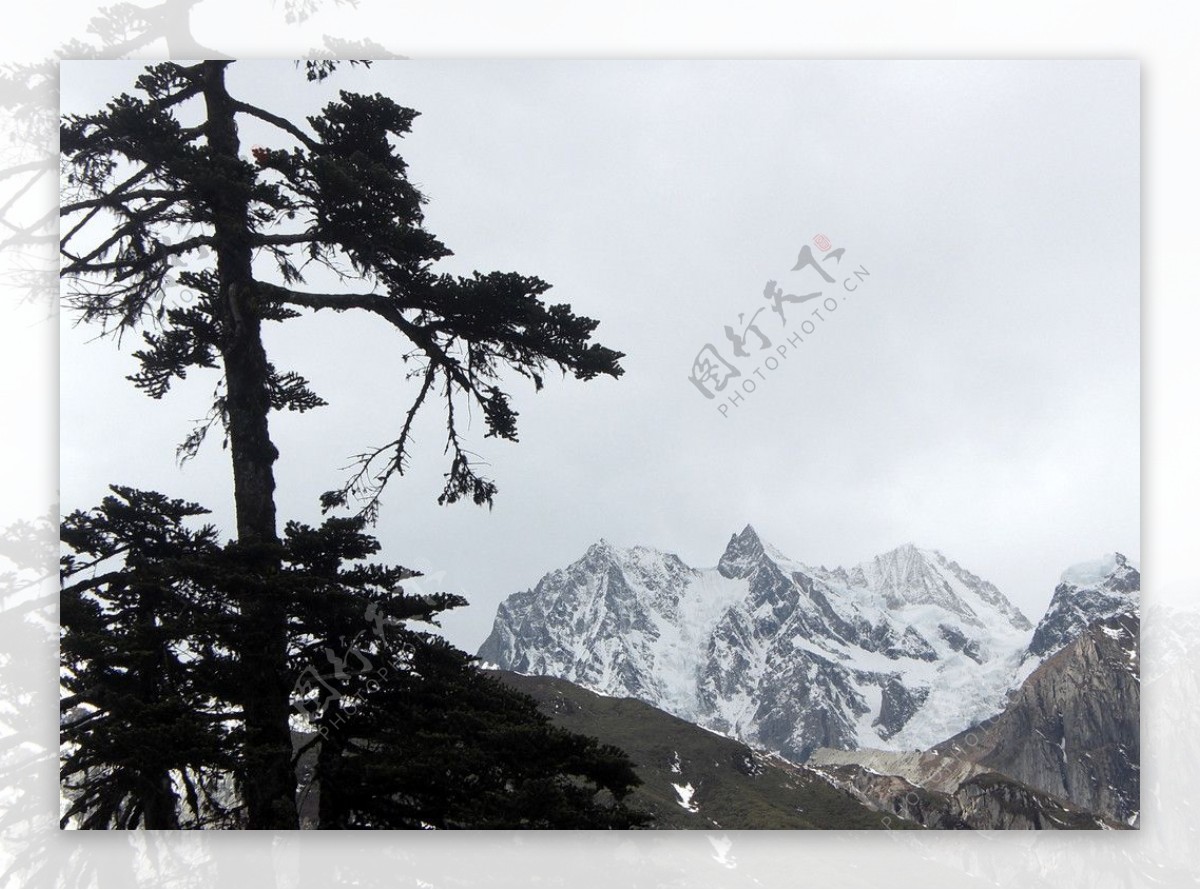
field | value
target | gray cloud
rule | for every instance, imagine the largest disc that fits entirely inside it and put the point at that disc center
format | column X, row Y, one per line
column 978, row 394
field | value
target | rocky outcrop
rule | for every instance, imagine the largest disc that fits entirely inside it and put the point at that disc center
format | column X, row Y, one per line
column 986, row 801
column 925, row 769
column 995, row 801
column 1071, row 730
column 897, row 796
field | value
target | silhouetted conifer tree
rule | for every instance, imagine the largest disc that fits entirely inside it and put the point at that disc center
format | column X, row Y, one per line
column 403, row 731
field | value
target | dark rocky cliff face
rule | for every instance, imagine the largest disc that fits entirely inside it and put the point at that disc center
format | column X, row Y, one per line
column 1071, row 730
column 996, row 801
column 1068, row 734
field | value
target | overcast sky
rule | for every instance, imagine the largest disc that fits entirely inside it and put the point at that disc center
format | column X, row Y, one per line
column 977, row 393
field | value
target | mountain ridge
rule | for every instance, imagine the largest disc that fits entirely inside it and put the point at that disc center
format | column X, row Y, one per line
column 878, row 672
column 881, row 653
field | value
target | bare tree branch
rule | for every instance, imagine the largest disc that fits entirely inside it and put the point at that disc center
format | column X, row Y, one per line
column 282, row 123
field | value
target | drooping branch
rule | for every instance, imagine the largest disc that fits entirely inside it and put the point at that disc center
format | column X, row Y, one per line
column 366, row 483
column 136, row 277
column 512, row 335
column 114, row 193
column 136, row 226
column 461, row 480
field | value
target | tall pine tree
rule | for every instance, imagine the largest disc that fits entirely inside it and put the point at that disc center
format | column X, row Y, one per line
column 145, row 189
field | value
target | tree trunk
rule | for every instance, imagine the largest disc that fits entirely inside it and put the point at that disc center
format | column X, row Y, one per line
column 331, row 807
column 159, row 803
column 269, row 783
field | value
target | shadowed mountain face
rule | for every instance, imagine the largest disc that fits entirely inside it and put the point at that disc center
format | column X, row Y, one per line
column 1067, row 744
column 1071, row 730
column 693, row 778
column 900, row 651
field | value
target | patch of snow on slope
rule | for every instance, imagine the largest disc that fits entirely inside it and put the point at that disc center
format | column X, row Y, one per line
column 685, row 793
column 868, row 735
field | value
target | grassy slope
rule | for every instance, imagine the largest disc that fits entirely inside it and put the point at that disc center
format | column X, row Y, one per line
column 734, row 787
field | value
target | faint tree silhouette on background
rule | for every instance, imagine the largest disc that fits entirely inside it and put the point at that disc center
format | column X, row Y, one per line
column 28, row 112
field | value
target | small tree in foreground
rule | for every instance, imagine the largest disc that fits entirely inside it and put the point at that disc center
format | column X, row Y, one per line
column 145, row 634
column 162, row 177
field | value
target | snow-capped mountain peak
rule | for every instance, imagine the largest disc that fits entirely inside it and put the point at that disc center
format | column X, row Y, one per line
column 912, row 576
column 901, row 650
column 1112, row 571
column 1086, row 592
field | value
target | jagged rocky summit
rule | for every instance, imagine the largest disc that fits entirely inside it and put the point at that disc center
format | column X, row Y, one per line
column 1085, row 593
